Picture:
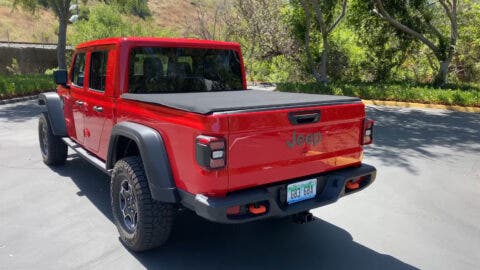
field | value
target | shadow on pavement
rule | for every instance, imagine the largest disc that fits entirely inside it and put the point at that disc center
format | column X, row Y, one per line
column 272, row 244
column 402, row 133
column 20, row 112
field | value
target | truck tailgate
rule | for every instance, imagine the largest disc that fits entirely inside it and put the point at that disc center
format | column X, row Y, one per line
column 273, row 145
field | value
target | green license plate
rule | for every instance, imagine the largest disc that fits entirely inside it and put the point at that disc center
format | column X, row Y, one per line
column 301, row 191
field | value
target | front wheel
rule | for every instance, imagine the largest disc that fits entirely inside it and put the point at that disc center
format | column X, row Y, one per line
column 54, row 150
column 143, row 223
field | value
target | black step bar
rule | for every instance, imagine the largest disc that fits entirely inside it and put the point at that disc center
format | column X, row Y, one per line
column 95, row 161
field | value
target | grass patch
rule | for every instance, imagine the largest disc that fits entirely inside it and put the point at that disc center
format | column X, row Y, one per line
column 22, row 85
column 462, row 95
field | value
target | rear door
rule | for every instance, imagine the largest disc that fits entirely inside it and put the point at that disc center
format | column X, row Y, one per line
column 98, row 99
column 271, row 146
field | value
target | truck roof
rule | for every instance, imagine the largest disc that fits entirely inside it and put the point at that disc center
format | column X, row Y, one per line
column 189, row 42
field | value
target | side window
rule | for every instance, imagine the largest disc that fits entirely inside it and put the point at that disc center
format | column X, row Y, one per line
column 98, row 70
column 78, row 69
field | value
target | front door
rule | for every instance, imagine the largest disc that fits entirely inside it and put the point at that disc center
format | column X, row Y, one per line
column 99, row 103
column 77, row 91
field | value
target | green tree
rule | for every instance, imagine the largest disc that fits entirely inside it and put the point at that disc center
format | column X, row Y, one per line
column 424, row 20
column 386, row 48
column 137, row 8
column 61, row 10
column 259, row 26
column 326, row 20
column 466, row 62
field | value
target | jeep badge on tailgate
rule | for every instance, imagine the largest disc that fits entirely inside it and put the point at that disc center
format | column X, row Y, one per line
column 301, row 139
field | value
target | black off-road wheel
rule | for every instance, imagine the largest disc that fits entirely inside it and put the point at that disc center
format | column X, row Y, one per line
column 143, row 223
column 53, row 149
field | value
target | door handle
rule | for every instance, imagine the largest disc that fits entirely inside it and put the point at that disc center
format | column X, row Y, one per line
column 79, row 103
column 300, row 118
column 97, row 108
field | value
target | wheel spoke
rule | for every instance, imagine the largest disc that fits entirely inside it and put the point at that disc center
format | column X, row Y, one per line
column 44, row 139
column 123, row 193
column 128, row 205
column 123, row 206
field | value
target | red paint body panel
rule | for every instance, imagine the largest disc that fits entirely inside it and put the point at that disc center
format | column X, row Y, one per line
column 179, row 130
column 257, row 151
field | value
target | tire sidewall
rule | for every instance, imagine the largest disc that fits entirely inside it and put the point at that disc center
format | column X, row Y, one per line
column 120, row 173
column 43, row 121
column 154, row 219
column 56, row 149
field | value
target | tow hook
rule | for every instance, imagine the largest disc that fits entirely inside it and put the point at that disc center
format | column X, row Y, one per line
column 303, row 217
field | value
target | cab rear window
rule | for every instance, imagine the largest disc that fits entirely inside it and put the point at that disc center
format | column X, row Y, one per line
column 170, row 70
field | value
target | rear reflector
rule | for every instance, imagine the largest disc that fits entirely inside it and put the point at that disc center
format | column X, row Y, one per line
column 367, row 136
column 234, row 210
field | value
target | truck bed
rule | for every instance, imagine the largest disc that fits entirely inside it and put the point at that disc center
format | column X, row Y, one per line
column 243, row 100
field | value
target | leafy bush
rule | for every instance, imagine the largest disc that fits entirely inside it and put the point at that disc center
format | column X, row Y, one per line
column 14, row 68
column 50, row 71
column 107, row 21
column 135, row 7
column 463, row 95
column 21, row 85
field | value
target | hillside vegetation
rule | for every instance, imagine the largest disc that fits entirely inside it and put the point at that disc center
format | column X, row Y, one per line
column 21, row 26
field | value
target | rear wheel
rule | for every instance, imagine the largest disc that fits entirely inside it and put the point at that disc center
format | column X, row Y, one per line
column 53, row 149
column 143, row 223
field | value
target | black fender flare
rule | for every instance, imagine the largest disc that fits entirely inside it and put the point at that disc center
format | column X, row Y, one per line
column 154, row 157
column 52, row 104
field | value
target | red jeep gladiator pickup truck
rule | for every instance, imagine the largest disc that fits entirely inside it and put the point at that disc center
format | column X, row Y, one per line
column 172, row 123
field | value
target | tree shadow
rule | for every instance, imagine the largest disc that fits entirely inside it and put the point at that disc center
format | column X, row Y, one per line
column 196, row 243
column 19, row 112
column 404, row 133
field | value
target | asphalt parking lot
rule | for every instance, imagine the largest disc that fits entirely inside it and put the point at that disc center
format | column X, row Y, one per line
column 422, row 212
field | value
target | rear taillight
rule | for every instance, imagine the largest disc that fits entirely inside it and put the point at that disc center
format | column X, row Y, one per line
column 210, row 152
column 367, row 137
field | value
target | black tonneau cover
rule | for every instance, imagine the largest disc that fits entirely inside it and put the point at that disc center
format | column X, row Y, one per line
column 228, row 101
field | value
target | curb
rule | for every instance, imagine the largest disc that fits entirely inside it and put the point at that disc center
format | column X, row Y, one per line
column 422, row 105
column 19, row 99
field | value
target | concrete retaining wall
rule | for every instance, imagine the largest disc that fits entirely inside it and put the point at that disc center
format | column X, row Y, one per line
column 30, row 60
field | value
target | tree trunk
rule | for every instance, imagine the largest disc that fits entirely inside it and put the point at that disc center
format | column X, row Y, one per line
column 62, row 42
column 441, row 78
column 316, row 74
column 450, row 8
column 323, row 67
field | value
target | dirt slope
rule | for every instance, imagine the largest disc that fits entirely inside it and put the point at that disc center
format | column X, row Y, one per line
column 22, row 26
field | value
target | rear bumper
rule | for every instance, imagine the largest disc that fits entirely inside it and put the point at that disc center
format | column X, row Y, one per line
column 330, row 187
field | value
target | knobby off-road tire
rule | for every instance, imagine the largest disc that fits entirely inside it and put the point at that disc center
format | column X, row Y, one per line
column 143, row 223
column 53, row 149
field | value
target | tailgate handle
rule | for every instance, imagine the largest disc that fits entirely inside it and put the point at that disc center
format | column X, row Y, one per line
column 300, row 118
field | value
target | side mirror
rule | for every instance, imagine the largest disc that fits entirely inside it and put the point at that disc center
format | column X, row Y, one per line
column 60, row 76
